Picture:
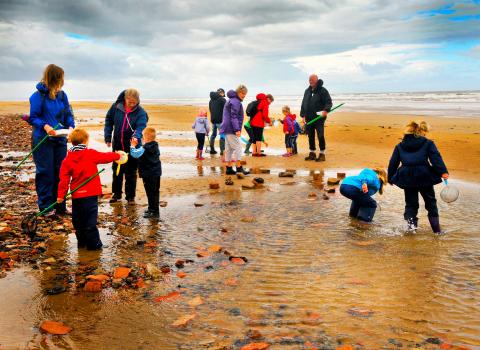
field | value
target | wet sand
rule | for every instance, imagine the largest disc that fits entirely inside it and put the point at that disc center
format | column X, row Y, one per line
column 312, row 279
column 354, row 140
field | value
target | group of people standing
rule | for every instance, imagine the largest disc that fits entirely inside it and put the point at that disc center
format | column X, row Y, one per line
column 416, row 165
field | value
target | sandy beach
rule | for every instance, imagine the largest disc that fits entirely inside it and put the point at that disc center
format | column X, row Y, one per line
column 354, row 141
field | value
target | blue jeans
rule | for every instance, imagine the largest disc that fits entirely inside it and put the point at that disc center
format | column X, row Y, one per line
column 363, row 206
column 215, row 128
column 48, row 159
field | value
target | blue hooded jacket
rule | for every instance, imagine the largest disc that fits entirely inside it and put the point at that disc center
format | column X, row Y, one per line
column 44, row 110
column 232, row 114
column 116, row 123
column 366, row 176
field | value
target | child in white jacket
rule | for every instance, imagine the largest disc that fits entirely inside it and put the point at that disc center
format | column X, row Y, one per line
column 202, row 129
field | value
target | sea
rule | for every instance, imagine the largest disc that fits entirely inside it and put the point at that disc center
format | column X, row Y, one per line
column 433, row 103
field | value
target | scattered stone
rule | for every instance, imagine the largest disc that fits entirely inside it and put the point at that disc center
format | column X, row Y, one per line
column 121, row 272
column 258, row 180
column 228, row 181
column 93, row 287
column 255, row 346
column 50, row 261
column 325, row 197
column 264, row 171
column 247, row 219
column 436, row 341
column 181, row 274
column 254, row 334
column 152, row 271
column 57, row 328
column 341, row 175
column 240, row 176
column 330, row 190
column 197, row 301
column 56, row 290
column 180, row 264
column 333, row 181
column 198, row 204
column 183, row 321
column 239, row 260
column 248, row 187
column 359, row 312
column 214, row 185
column 317, row 177
column 141, row 242
column 165, row 269
column 163, row 204
column 312, row 195
column 117, row 283
column 285, row 174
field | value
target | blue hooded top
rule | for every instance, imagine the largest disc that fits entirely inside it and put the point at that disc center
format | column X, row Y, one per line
column 366, row 176
column 44, row 110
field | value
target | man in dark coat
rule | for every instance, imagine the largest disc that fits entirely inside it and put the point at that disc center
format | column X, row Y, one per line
column 316, row 102
column 217, row 101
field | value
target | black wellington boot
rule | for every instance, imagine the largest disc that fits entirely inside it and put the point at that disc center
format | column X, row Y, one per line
column 435, row 224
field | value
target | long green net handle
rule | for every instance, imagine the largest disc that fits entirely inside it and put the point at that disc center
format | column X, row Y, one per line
column 320, row 116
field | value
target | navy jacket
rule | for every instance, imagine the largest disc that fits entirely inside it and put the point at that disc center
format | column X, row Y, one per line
column 149, row 164
column 44, row 110
column 116, row 122
column 215, row 106
column 315, row 100
column 420, row 163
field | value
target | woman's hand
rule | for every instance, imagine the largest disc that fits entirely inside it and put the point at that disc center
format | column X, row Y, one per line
column 50, row 131
column 109, row 144
column 445, row 176
column 364, row 188
column 134, row 142
column 59, row 200
column 238, row 133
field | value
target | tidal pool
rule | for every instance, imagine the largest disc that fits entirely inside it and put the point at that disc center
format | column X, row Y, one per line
column 313, row 275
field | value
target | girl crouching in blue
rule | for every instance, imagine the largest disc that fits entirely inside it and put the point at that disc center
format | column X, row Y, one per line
column 360, row 189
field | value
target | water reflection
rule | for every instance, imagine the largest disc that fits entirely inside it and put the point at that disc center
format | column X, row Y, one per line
column 313, row 274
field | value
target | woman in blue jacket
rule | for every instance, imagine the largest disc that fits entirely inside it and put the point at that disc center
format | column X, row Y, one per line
column 360, row 189
column 421, row 168
column 125, row 119
column 49, row 111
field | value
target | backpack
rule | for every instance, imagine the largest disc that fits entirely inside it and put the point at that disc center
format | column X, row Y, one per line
column 252, row 108
column 296, row 128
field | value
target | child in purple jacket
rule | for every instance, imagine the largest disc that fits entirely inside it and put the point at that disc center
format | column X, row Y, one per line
column 202, row 129
column 288, row 129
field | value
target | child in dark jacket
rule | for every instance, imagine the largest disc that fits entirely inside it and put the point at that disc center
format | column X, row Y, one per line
column 79, row 165
column 360, row 189
column 150, row 170
column 421, row 168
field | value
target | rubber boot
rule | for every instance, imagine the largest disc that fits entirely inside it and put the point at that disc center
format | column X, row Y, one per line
column 212, row 148
column 230, row 171
column 366, row 214
column 200, row 155
column 354, row 208
column 311, row 156
column 435, row 224
column 412, row 224
column 242, row 171
column 222, row 146
column 247, row 148
column 197, row 155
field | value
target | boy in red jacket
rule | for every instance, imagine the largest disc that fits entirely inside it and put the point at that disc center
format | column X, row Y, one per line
column 80, row 164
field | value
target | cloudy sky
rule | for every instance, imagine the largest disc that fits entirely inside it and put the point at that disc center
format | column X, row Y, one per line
column 186, row 48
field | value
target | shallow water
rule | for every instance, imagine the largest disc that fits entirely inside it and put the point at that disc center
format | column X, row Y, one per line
column 308, row 266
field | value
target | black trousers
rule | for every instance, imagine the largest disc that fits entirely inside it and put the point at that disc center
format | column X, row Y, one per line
column 200, row 140
column 129, row 171
column 411, row 201
column 152, row 189
column 319, row 128
column 84, row 219
column 257, row 134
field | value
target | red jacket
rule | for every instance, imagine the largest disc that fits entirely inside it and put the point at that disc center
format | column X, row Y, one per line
column 262, row 112
column 77, row 167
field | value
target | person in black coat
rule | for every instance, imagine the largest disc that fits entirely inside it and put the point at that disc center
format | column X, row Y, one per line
column 216, row 104
column 316, row 101
column 150, row 170
column 125, row 119
column 416, row 166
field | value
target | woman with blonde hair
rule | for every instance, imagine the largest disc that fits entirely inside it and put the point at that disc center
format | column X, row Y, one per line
column 416, row 166
column 49, row 111
column 360, row 189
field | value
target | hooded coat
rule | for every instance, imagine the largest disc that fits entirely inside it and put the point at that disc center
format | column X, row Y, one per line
column 232, row 114
column 216, row 104
column 79, row 166
column 289, row 124
column 420, row 162
column 44, row 110
column 119, row 123
column 366, row 176
column 315, row 100
column 261, row 116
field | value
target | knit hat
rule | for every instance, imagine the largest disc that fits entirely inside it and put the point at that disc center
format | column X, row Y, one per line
column 220, row 90
column 202, row 112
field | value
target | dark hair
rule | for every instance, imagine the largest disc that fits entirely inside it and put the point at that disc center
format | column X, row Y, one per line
column 270, row 97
